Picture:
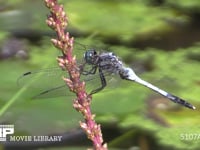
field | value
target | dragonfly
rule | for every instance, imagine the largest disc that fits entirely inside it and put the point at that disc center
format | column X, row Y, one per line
column 97, row 65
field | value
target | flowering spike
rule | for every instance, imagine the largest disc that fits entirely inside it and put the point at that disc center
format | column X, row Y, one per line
column 57, row 20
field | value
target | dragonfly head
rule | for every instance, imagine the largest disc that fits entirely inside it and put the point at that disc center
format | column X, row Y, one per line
column 90, row 56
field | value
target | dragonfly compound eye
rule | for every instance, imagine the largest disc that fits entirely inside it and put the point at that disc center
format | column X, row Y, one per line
column 89, row 56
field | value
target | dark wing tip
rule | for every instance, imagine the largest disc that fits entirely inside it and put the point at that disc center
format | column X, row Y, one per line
column 27, row 73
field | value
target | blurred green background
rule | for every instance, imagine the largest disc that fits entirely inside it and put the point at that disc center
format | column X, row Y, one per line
column 159, row 39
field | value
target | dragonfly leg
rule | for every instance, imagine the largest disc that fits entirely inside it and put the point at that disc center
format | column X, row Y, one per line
column 91, row 71
column 103, row 83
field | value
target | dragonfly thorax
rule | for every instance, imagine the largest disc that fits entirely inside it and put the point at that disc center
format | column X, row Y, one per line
column 110, row 62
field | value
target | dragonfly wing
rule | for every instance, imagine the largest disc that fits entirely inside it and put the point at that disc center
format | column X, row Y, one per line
column 42, row 81
column 48, row 83
column 55, row 92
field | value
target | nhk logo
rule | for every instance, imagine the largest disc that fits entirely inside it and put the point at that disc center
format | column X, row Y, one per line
column 5, row 130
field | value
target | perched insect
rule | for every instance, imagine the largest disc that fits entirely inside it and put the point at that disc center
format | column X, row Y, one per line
column 98, row 65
